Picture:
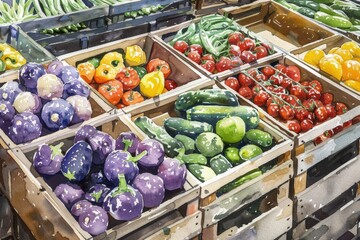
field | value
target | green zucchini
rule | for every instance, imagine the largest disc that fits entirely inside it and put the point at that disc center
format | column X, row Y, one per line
column 209, row 144
column 203, row 173
column 172, row 146
column 355, row 21
column 307, row 12
column 185, row 127
column 194, row 158
column 205, row 97
column 259, row 137
column 249, row 151
column 240, row 181
column 212, row 114
column 303, row 3
column 220, row 164
column 188, row 143
column 333, row 12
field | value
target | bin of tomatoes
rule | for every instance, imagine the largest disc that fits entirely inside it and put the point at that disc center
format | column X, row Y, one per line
column 296, row 98
column 132, row 71
column 217, row 43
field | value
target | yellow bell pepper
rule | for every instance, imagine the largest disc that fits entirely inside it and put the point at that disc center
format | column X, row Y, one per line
column 113, row 59
column 351, row 70
column 135, row 56
column 353, row 47
column 314, row 56
column 353, row 84
column 345, row 54
column 331, row 66
column 152, row 84
column 12, row 58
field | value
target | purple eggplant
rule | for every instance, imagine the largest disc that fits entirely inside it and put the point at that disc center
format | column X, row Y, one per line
column 47, row 159
column 173, row 173
column 121, row 162
column 25, row 127
column 82, row 108
column 55, row 68
column 102, row 144
column 9, row 91
column 151, row 188
column 69, row 193
column 154, row 154
column 27, row 102
column 7, row 113
column 124, row 202
column 29, row 75
column 97, row 193
column 85, row 133
column 74, row 88
column 94, row 220
column 68, row 74
column 80, row 207
column 77, row 161
column 57, row 114
column 127, row 141
column 49, row 87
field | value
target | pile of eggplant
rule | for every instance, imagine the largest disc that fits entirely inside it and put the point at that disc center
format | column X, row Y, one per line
column 104, row 176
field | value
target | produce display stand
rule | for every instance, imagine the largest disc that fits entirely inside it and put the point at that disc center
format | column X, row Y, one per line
column 181, row 72
column 166, row 215
column 204, row 7
column 215, row 208
column 325, row 45
column 166, row 35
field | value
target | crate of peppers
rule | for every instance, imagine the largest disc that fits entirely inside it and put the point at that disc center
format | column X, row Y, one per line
column 133, row 73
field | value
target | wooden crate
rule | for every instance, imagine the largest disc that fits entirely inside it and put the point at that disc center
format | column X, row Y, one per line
column 326, row 45
column 173, row 213
column 182, row 72
column 203, row 7
column 343, row 220
column 255, row 16
column 99, row 107
column 303, row 141
column 163, row 36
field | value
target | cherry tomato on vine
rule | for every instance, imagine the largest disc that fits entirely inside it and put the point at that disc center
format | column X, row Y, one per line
column 181, row 46
column 233, row 83
column 306, row 125
column 294, row 126
column 268, row 71
column 246, row 92
column 194, row 56
column 286, row 112
column 321, row 114
column 273, row 109
column 196, row 48
column 327, row 98
column 330, row 110
column 340, row 108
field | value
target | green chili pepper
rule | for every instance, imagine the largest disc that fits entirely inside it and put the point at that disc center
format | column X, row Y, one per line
column 355, row 21
column 324, row 1
column 215, row 47
column 333, row 21
column 195, row 39
column 326, row 9
column 184, row 36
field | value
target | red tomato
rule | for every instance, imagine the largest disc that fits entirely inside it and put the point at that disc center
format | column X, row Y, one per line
column 273, row 109
column 273, row 100
column 234, row 50
column 247, row 56
column 330, row 110
column 277, row 79
column 327, row 98
column 246, row 45
column 338, row 129
column 208, row 57
column 305, row 83
column 309, row 104
column 209, row 66
column 340, row 108
column 298, row 92
column 347, row 124
column 294, row 126
column 306, row 125
column 245, row 92
column 196, row 48
column 170, row 84
column 194, row 56
column 260, row 77
column 314, row 94
column 245, row 81
column 260, row 52
column 236, row 62
column 235, row 37
column 181, row 46
column 224, row 64
column 301, row 114
column 233, row 83
column 256, row 89
column 281, row 67
column 280, row 90
column 316, row 84
column 261, row 98
column 321, row 114
column 287, row 113
column 252, row 72
column 268, row 71
column 293, row 72
column 286, row 83
column 292, row 100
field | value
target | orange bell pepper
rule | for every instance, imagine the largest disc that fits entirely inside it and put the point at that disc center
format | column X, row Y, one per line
column 104, row 73
column 112, row 91
column 86, row 71
column 131, row 98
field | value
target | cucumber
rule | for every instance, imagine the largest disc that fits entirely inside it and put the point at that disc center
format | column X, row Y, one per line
column 185, row 127
column 249, row 151
column 259, row 137
column 194, row 158
column 212, row 114
column 219, row 164
column 203, row 173
column 239, row 181
column 172, row 146
column 205, row 97
column 188, row 143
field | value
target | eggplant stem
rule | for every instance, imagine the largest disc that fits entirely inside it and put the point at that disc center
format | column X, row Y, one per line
column 127, row 144
column 138, row 157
